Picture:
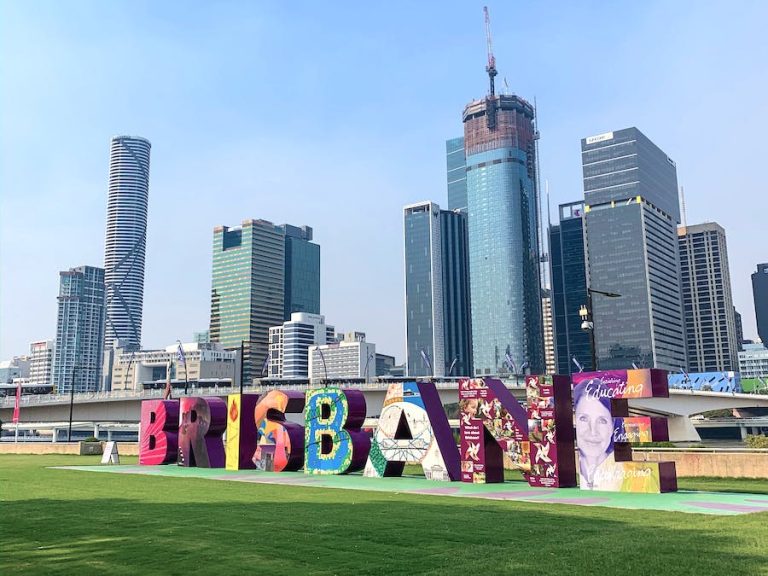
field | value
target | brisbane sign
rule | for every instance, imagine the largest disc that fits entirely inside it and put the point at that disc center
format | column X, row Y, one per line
column 589, row 411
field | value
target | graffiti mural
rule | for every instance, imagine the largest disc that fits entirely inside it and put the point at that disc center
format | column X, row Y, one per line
column 413, row 429
column 333, row 441
column 159, row 432
column 241, row 431
column 280, row 444
column 202, row 422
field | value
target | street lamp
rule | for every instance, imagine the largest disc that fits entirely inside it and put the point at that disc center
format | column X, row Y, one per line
column 72, row 400
column 588, row 319
column 180, row 355
column 242, row 361
column 367, row 360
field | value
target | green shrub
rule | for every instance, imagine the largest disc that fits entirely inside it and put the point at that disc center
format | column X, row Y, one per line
column 757, row 441
column 91, row 439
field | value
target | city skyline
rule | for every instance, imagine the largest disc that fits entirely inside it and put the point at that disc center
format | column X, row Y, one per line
column 216, row 159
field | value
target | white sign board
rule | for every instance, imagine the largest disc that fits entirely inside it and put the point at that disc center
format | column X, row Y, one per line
column 110, row 455
column 600, row 138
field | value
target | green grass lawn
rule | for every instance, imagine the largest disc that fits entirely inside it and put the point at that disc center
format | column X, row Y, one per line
column 72, row 522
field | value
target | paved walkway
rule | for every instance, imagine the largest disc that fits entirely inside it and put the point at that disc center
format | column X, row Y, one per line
column 684, row 501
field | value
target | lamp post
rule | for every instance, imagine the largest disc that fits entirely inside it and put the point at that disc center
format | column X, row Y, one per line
column 588, row 319
column 180, row 354
column 367, row 360
column 72, row 401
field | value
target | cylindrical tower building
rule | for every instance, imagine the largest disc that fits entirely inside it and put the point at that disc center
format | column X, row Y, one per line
column 502, row 200
column 126, row 239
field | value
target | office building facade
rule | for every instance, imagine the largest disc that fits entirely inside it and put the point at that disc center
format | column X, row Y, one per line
column 631, row 217
column 760, row 294
column 753, row 361
column 425, row 346
column 739, row 329
column 126, row 240
column 502, row 210
column 710, row 326
column 568, row 273
column 41, row 362
column 349, row 358
column 549, row 337
column 205, row 364
column 456, row 171
column 289, row 344
column 247, row 295
column 79, row 330
column 302, row 271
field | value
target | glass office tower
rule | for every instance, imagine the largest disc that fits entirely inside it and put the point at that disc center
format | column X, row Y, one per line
column 760, row 294
column 456, row 171
column 436, row 292
column 247, row 296
column 302, row 271
column 500, row 151
column 630, row 192
column 569, row 289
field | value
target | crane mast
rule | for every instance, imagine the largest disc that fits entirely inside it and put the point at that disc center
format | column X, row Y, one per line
column 491, row 67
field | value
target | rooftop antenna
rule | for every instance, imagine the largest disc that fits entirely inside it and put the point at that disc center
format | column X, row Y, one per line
column 491, row 67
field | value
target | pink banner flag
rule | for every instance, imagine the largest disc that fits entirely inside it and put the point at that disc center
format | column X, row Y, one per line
column 16, row 405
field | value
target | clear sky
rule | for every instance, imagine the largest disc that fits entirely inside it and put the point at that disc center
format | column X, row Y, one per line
column 335, row 115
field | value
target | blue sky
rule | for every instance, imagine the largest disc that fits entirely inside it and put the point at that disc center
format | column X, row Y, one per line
column 335, row 115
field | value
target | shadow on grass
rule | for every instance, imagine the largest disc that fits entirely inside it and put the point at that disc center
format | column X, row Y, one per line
column 364, row 533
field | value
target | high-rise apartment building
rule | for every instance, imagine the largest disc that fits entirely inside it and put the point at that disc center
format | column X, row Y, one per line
column 79, row 330
column 302, row 271
column 568, row 272
column 760, row 294
column 710, row 327
column 126, row 239
column 247, row 296
column 502, row 210
column 289, row 344
column 632, row 212
column 41, row 362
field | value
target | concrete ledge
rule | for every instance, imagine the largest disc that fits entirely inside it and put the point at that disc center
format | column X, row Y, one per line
column 123, row 448
column 719, row 464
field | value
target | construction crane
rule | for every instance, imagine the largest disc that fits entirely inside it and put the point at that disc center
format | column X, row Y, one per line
column 491, row 67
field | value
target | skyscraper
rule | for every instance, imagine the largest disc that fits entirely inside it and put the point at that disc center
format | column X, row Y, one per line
column 457, row 322
column 739, row 329
column 710, row 327
column 247, row 296
column 569, row 289
column 302, row 271
column 760, row 294
column 456, row 172
column 438, row 326
column 500, row 150
column 632, row 212
column 79, row 330
column 126, row 239
column 425, row 344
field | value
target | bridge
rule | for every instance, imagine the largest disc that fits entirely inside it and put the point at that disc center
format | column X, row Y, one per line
column 124, row 407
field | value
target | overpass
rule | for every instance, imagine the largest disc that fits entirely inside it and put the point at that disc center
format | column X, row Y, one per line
column 125, row 406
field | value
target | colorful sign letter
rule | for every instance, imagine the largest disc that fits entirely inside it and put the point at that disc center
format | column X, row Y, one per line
column 553, row 461
column 202, row 422
column 413, row 429
column 159, row 435
column 241, row 431
column 494, row 428
column 280, row 443
column 334, row 443
column 604, row 431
